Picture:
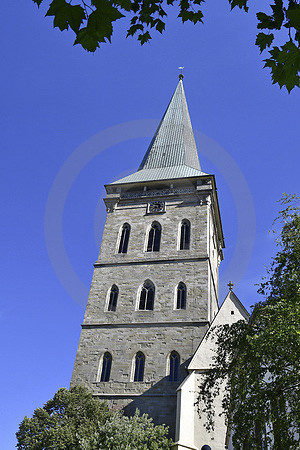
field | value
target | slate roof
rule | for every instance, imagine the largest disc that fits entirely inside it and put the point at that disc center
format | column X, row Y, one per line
column 172, row 152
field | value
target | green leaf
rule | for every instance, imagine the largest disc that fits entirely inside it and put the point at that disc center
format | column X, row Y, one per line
column 134, row 28
column 242, row 4
column 191, row 16
column 99, row 26
column 66, row 15
column 76, row 16
column 124, row 4
column 264, row 40
column 285, row 65
column 107, row 10
column 265, row 21
column 278, row 13
column 144, row 37
column 160, row 26
column 293, row 14
column 87, row 39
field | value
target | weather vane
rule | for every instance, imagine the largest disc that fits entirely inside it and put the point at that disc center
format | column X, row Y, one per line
column 181, row 74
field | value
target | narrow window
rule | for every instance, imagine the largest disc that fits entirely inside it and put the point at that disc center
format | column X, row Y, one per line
column 113, row 298
column 181, row 296
column 147, row 296
column 154, row 238
column 106, row 366
column 174, row 366
column 123, row 246
column 139, row 367
column 185, row 233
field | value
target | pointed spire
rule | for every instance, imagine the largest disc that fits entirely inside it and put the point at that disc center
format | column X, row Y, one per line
column 173, row 143
column 172, row 152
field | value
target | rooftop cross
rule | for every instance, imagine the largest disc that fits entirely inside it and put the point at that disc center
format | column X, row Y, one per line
column 230, row 284
column 181, row 76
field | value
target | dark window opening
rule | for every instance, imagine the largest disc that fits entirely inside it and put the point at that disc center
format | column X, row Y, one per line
column 174, row 366
column 139, row 367
column 123, row 246
column 181, row 296
column 113, row 298
column 185, row 233
column 147, row 296
column 154, row 238
column 106, row 366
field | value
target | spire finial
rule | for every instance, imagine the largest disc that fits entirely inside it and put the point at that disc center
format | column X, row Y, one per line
column 230, row 284
column 181, row 76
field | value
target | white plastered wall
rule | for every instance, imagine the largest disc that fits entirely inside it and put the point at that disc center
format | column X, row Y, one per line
column 191, row 432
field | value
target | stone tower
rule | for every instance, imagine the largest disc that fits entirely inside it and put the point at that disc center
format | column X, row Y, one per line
column 154, row 291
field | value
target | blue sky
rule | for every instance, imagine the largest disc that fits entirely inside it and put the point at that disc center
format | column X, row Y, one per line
column 56, row 98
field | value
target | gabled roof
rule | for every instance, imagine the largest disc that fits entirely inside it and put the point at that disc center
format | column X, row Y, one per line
column 172, row 152
column 230, row 312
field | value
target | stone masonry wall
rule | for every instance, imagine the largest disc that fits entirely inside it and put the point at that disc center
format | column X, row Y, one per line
column 158, row 394
column 156, row 333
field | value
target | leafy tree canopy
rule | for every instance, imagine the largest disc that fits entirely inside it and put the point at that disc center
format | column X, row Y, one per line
column 92, row 22
column 261, row 359
column 69, row 417
column 124, row 433
column 74, row 420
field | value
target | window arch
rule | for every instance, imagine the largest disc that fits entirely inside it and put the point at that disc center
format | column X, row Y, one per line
column 174, row 363
column 113, row 298
column 147, row 293
column 106, row 367
column 185, row 234
column 139, row 366
column 181, row 296
column 154, row 236
column 124, row 239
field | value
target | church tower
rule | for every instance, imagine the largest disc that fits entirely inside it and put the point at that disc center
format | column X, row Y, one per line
column 154, row 291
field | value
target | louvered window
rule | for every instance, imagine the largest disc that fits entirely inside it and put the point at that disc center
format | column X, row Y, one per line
column 113, row 298
column 124, row 239
column 139, row 367
column 174, row 366
column 181, row 296
column 185, row 233
column 106, row 367
column 154, row 238
column 147, row 296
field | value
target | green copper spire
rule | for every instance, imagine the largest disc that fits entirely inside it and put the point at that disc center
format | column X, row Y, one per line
column 172, row 152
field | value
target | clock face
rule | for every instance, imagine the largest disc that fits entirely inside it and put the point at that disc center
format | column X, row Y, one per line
column 155, row 207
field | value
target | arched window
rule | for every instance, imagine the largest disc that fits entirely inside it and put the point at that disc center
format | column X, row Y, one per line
column 185, row 233
column 124, row 238
column 106, row 366
column 181, row 296
column 139, row 366
column 113, row 298
column 154, row 237
column 174, row 366
column 147, row 296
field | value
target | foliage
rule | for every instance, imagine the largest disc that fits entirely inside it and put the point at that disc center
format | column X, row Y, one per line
column 63, row 421
column 74, row 420
column 260, row 360
column 125, row 433
column 92, row 23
